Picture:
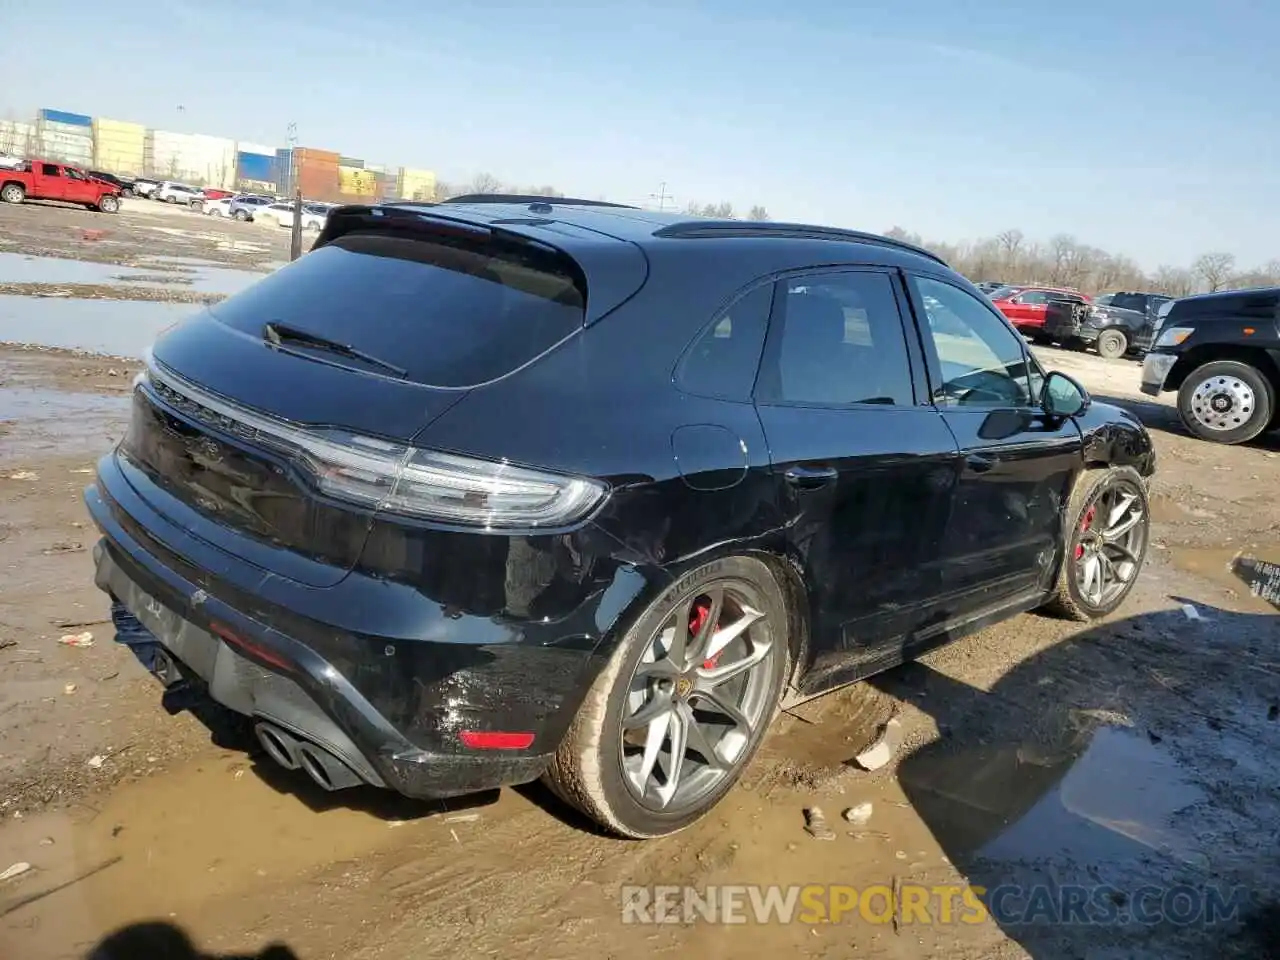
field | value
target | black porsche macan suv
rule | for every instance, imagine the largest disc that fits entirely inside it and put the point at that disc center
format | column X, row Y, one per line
column 507, row 488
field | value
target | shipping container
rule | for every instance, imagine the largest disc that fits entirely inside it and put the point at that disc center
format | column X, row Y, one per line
column 357, row 184
column 65, row 142
column 284, row 172
column 349, row 162
column 255, row 166
column 61, row 116
column 17, row 138
column 415, row 184
column 119, row 147
column 316, row 173
column 192, row 158
column 311, row 154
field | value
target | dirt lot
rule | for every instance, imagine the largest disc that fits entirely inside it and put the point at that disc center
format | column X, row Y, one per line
column 1134, row 753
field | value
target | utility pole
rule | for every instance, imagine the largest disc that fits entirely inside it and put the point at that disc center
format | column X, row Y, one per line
column 661, row 196
column 295, row 235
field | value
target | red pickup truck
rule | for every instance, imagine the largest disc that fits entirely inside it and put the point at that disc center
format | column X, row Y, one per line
column 43, row 180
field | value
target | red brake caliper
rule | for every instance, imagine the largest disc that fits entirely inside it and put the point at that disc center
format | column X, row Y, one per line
column 697, row 620
column 1085, row 524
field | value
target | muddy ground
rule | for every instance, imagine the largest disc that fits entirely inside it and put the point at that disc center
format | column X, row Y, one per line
column 1137, row 753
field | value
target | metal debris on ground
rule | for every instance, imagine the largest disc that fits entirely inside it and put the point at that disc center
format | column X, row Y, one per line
column 69, row 688
column 860, row 813
column 96, row 761
column 17, row 870
column 462, row 818
column 1191, row 612
column 815, row 824
column 77, row 640
column 24, row 475
column 868, row 835
column 882, row 751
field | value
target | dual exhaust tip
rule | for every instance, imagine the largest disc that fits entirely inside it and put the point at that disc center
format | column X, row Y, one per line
column 294, row 753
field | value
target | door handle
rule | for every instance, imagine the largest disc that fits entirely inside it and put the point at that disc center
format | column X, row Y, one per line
column 807, row 478
column 978, row 463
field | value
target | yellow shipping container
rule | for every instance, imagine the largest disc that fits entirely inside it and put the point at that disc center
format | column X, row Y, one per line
column 119, row 147
column 357, row 182
column 416, row 184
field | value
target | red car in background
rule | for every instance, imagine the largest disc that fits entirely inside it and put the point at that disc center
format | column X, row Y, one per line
column 1025, row 306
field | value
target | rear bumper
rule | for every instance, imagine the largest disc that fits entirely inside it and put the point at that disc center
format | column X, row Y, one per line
column 392, row 710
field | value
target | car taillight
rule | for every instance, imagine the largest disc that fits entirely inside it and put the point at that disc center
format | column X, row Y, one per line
column 394, row 477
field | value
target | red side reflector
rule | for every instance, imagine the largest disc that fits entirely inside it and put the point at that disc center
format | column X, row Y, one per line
column 264, row 654
column 492, row 740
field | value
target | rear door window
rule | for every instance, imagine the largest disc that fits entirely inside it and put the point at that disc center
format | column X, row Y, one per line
column 452, row 313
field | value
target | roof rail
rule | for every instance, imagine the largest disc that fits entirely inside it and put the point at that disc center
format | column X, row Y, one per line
column 707, row 229
column 532, row 198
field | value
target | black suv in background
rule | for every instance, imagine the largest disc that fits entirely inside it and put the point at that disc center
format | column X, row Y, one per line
column 1221, row 352
column 1114, row 324
column 515, row 487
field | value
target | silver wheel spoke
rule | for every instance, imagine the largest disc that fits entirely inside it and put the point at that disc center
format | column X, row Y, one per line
column 678, row 728
column 1090, row 575
column 1117, row 514
column 657, row 669
column 707, row 632
column 653, row 740
column 1125, row 553
column 717, row 675
column 726, row 635
column 712, row 699
column 698, row 740
column 659, row 705
column 678, row 648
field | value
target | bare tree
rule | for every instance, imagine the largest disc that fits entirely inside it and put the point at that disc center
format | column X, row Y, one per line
column 1214, row 269
column 484, row 183
column 758, row 213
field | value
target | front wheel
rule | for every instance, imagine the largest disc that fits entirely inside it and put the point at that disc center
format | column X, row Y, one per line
column 1226, row 401
column 677, row 713
column 109, row 204
column 241, row 216
column 1112, row 344
column 13, row 193
column 1105, row 544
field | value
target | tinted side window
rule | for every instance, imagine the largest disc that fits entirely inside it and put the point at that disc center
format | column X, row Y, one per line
column 49, row 169
column 722, row 362
column 983, row 362
column 1034, row 297
column 840, row 340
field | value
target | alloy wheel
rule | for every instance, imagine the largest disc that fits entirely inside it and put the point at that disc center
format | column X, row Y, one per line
column 1111, row 544
column 697, row 697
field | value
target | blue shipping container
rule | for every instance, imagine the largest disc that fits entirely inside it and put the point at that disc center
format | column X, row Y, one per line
column 284, row 170
column 255, row 166
column 61, row 116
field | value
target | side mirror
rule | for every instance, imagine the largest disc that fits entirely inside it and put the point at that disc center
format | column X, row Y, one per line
column 1063, row 396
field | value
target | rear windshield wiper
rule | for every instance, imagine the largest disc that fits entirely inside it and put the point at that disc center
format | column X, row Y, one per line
column 278, row 334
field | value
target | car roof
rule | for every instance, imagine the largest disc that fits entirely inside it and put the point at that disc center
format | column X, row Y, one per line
column 516, row 211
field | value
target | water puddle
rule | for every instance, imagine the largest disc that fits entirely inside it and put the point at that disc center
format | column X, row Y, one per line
column 36, row 421
column 1106, row 799
column 123, row 328
column 1248, row 573
column 196, row 275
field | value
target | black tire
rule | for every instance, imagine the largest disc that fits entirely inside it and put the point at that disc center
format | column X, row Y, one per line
column 13, row 193
column 109, row 204
column 1068, row 599
column 171, row 199
column 1112, row 344
column 241, row 216
column 1249, row 419
column 1040, row 339
column 126, row 192
column 587, row 770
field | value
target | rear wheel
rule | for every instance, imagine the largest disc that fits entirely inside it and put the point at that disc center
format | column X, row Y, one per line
column 171, row 199
column 1106, row 543
column 241, row 216
column 677, row 713
column 13, row 193
column 1112, row 344
column 109, row 204
column 1226, row 401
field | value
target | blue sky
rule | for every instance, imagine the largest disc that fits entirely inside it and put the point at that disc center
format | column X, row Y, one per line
column 1148, row 128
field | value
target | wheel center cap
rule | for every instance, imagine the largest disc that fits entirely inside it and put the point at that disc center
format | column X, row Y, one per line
column 684, row 687
column 1221, row 403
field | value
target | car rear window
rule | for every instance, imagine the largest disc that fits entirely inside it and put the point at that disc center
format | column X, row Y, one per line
column 452, row 313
